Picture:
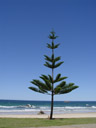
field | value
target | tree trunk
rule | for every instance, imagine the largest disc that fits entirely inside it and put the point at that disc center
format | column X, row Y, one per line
column 52, row 95
column 52, row 101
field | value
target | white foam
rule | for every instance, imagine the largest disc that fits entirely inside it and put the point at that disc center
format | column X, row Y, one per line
column 9, row 109
column 93, row 106
column 7, row 106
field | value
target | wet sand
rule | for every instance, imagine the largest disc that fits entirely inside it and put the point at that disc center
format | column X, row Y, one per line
column 68, row 115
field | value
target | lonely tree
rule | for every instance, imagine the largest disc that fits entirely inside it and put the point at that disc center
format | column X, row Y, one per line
column 50, row 85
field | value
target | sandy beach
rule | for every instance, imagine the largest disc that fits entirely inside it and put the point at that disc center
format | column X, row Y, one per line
column 68, row 115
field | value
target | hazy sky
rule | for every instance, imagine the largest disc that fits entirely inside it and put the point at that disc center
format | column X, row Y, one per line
column 24, row 29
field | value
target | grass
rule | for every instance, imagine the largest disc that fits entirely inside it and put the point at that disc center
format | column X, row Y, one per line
column 28, row 122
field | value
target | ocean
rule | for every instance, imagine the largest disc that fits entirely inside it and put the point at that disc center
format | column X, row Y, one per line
column 33, row 107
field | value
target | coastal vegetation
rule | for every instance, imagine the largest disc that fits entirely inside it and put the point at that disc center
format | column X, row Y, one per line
column 30, row 122
column 48, row 86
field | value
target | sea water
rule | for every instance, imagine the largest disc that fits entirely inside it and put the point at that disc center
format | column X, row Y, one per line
column 33, row 107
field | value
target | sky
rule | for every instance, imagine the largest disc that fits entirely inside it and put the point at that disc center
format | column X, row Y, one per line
column 24, row 29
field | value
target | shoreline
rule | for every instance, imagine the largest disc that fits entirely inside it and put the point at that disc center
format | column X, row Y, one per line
column 67, row 115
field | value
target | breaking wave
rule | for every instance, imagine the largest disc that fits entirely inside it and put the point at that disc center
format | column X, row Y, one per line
column 32, row 108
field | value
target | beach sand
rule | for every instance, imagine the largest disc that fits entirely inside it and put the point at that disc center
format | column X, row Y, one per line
column 68, row 115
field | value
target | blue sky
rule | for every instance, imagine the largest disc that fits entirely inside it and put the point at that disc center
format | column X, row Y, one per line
column 24, row 29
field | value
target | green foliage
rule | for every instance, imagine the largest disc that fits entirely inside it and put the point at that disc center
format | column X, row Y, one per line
column 47, row 86
column 40, row 90
column 52, row 46
column 42, row 87
column 52, row 35
column 63, row 88
column 59, row 78
column 58, row 64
